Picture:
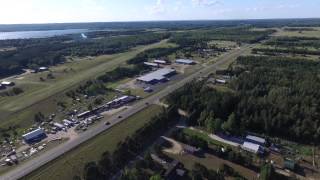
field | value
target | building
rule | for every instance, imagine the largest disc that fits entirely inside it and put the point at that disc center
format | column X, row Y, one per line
column 84, row 114
column 253, row 148
column 160, row 75
column 34, row 136
column 289, row 164
column 185, row 61
column 148, row 89
column 151, row 64
column 256, row 140
column 160, row 61
column 221, row 81
column 7, row 83
column 41, row 69
column 59, row 126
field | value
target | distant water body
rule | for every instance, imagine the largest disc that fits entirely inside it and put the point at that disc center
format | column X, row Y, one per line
column 38, row 34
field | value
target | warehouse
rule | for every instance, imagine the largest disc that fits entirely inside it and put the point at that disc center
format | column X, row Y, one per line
column 160, row 75
column 34, row 136
column 185, row 61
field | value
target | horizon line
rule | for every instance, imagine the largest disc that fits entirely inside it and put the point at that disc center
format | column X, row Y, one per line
column 177, row 20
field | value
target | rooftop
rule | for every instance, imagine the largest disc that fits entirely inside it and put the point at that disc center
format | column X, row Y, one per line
column 33, row 134
column 185, row 61
column 256, row 139
column 156, row 75
column 251, row 146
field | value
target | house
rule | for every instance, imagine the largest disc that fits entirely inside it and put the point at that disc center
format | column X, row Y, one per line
column 185, row 61
column 256, row 140
column 151, row 64
column 160, row 61
column 253, row 148
column 7, row 83
column 58, row 125
column 34, row 136
column 160, row 75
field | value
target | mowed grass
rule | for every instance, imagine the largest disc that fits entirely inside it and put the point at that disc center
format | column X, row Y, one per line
column 72, row 163
column 38, row 96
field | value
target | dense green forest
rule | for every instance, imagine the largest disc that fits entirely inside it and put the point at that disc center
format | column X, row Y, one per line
column 270, row 95
column 292, row 50
column 290, row 42
column 47, row 52
column 201, row 37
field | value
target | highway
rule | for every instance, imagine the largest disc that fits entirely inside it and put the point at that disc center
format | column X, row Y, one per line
column 29, row 166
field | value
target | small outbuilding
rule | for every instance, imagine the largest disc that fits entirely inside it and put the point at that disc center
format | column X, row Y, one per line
column 7, row 83
column 34, row 136
column 151, row 64
column 185, row 61
column 41, row 69
column 160, row 61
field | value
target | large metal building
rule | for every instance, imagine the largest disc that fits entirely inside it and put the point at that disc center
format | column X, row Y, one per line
column 34, row 136
column 160, row 75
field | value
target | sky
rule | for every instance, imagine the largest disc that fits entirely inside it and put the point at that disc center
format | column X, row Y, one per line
column 60, row 11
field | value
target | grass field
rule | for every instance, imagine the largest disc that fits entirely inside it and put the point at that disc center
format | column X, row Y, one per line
column 43, row 96
column 72, row 163
column 204, row 136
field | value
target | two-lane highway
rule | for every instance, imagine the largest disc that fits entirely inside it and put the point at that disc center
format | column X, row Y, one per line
column 35, row 163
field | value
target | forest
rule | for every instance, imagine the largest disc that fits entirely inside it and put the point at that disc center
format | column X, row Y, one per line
column 275, row 96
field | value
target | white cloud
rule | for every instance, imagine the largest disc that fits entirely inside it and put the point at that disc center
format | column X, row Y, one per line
column 158, row 8
column 206, row 2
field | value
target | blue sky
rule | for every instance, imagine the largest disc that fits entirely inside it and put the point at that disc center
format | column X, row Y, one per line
column 51, row 11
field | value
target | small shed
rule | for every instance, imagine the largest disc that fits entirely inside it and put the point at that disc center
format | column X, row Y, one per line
column 289, row 164
column 185, row 61
column 256, row 140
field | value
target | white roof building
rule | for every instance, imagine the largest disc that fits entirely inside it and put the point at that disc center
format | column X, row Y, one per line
column 256, row 139
column 251, row 147
column 185, row 61
column 160, row 61
column 151, row 64
column 7, row 83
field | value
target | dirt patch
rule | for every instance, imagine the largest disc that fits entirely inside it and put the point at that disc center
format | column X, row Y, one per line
column 176, row 147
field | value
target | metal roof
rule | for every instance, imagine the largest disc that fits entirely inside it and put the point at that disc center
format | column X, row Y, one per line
column 33, row 134
column 251, row 147
column 150, row 64
column 156, row 75
column 160, row 61
column 256, row 139
column 185, row 61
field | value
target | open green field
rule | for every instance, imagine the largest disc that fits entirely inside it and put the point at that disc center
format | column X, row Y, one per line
column 204, row 136
column 72, row 163
column 43, row 96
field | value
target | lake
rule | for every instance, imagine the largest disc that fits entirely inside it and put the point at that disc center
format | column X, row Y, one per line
column 39, row 34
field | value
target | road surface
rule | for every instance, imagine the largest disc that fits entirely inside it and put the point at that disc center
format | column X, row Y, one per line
column 29, row 166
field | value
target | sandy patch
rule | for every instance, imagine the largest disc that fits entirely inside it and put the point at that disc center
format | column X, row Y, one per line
column 176, row 147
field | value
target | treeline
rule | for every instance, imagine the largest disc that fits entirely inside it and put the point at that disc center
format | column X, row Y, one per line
column 153, row 53
column 201, row 36
column 295, row 42
column 276, row 96
column 275, row 51
column 51, row 51
column 109, row 165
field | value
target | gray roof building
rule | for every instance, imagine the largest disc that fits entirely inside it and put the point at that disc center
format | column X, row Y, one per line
column 157, row 76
